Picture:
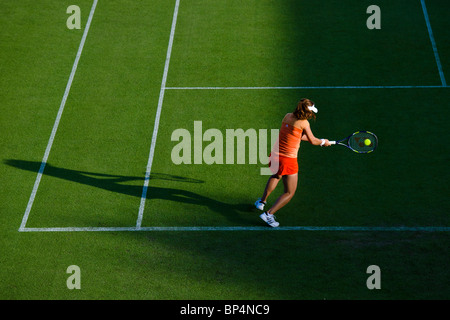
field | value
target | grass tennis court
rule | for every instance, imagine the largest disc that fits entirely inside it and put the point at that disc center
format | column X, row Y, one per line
column 88, row 177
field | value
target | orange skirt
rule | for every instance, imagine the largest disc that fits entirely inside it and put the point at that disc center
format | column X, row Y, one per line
column 283, row 166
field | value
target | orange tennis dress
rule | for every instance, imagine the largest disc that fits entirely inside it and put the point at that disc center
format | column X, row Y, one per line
column 283, row 158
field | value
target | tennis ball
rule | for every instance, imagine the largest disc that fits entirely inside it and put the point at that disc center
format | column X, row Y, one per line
column 367, row 142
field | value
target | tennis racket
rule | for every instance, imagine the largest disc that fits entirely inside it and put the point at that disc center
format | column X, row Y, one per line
column 359, row 142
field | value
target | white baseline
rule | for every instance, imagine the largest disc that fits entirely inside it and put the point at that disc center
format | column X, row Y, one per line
column 245, row 228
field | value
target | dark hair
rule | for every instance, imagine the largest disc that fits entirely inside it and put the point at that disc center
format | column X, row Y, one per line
column 302, row 111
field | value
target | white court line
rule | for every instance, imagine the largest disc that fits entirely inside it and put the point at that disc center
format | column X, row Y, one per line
column 433, row 43
column 158, row 115
column 287, row 228
column 303, row 87
column 58, row 118
column 153, row 143
column 436, row 55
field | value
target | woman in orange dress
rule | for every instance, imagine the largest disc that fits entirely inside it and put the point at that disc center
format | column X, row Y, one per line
column 283, row 158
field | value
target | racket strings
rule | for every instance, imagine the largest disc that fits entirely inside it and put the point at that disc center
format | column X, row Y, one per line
column 363, row 142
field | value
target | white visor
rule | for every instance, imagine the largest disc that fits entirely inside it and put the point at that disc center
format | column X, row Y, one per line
column 313, row 108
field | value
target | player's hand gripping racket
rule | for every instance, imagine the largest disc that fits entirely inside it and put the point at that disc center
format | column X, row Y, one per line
column 360, row 142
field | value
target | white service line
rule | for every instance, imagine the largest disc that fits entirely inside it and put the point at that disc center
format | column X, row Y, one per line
column 158, row 115
column 58, row 118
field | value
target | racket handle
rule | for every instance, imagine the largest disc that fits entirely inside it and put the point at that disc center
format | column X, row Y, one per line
column 332, row 142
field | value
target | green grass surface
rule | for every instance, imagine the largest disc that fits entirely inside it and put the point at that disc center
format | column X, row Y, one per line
column 96, row 168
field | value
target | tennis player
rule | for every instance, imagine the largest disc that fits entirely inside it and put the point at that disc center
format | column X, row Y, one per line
column 283, row 158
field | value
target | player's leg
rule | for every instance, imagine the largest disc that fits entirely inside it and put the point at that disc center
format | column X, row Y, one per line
column 270, row 186
column 290, row 186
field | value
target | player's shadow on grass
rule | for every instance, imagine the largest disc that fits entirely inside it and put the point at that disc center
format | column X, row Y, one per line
column 115, row 183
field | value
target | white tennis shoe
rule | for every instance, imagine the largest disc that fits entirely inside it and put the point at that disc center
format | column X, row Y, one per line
column 260, row 204
column 269, row 219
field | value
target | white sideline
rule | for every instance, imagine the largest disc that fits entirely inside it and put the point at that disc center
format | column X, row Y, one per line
column 58, row 118
column 157, row 117
column 433, row 43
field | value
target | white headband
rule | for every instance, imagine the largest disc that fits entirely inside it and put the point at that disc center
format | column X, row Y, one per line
column 313, row 109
